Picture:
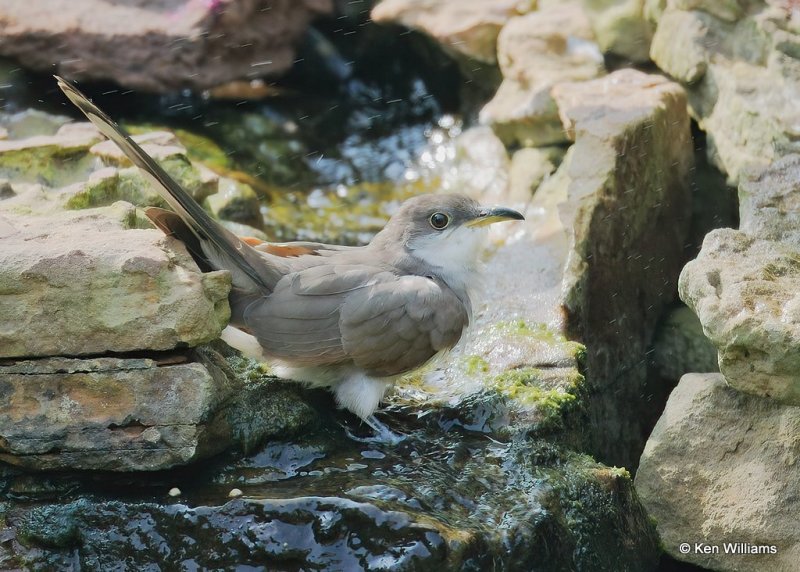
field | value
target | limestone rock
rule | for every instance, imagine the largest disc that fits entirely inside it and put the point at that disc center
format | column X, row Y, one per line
column 529, row 167
column 108, row 414
column 30, row 123
column 139, row 414
column 679, row 47
column 537, row 51
column 769, row 201
column 157, row 47
column 83, row 284
column 621, row 27
column 56, row 160
column 628, row 212
column 738, row 62
column 744, row 290
column 720, row 468
column 466, row 27
column 236, row 202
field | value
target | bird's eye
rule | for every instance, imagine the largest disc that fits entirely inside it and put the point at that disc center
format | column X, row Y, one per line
column 439, row 221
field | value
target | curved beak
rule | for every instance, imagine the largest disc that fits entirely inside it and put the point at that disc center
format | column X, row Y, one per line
column 494, row 214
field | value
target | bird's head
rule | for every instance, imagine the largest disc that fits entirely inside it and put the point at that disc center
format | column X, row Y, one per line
column 444, row 232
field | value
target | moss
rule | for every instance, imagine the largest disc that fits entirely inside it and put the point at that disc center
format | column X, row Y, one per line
column 204, row 150
column 51, row 165
column 531, row 388
column 475, row 364
column 97, row 193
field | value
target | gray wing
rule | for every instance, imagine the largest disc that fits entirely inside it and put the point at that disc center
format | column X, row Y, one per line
column 394, row 326
column 299, row 321
column 383, row 323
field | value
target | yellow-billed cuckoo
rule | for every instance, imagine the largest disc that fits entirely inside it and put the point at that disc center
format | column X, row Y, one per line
column 348, row 318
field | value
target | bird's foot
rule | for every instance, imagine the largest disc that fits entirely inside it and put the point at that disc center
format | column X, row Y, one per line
column 382, row 433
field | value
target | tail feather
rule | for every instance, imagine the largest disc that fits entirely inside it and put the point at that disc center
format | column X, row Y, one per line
column 173, row 225
column 222, row 248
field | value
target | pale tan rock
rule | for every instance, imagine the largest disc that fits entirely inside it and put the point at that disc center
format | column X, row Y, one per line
column 529, row 167
column 738, row 62
column 721, row 467
column 109, row 414
column 769, row 201
column 678, row 43
column 466, row 27
column 72, row 285
column 537, row 51
column 744, row 290
column 621, row 27
column 157, row 46
column 628, row 213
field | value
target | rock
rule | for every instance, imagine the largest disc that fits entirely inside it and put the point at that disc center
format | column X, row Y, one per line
column 138, row 414
column 209, row 43
column 63, row 413
column 30, row 123
column 6, row 190
column 680, row 346
column 243, row 90
column 678, row 46
column 530, row 166
column 355, row 519
column 718, row 470
column 744, row 290
column 628, row 211
column 55, row 160
column 537, row 51
column 236, row 202
column 468, row 28
column 769, row 201
column 84, row 284
column 621, row 27
column 736, row 60
column 479, row 166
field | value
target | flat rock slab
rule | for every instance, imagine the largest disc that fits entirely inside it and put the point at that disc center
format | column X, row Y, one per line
column 83, row 284
column 744, row 290
column 157, row 46
column 720, row 473
column 108, row 414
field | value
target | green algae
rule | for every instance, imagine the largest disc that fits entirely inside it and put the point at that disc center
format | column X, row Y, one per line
column 551, row 393
column 475, row 364
column 51, row 165
column 130, row 185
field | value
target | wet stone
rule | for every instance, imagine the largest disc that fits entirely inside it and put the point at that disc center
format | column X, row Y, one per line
column 442, row 499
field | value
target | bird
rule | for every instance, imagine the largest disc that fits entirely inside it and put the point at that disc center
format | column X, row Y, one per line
column 348, row 318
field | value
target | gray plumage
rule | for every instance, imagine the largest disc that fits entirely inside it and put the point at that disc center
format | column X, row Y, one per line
column 352, row 318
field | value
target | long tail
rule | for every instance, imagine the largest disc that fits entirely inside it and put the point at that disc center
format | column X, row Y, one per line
column 223, row 249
